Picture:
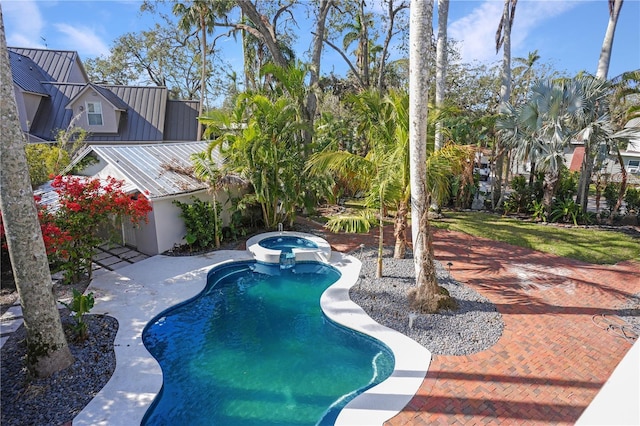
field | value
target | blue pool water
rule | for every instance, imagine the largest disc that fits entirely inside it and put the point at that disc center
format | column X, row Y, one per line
column 254, row 348
column 286, row 243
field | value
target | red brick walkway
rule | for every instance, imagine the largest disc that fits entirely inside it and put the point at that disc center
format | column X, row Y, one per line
column 551, row 359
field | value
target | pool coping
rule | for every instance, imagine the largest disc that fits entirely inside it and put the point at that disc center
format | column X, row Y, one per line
column 383, row 401
column 137, row 293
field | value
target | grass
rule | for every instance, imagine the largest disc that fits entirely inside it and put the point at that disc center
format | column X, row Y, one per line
column 590, row 244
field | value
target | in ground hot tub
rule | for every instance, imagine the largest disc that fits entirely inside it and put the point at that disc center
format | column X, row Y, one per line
column 287, row 248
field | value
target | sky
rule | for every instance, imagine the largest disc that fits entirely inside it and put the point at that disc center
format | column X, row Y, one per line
column 567, row 34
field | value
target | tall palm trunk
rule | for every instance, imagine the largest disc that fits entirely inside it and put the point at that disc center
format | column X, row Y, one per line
column 503, row 39
column 425, row 295
column 607, row 43
column 441, row 66
column 586, row 168
column 203, row 73
column 47, row 348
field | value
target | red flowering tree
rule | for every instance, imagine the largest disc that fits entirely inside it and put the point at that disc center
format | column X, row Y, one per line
column 86, row 204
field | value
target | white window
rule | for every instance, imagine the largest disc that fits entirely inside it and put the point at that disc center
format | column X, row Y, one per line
column 633, row 166
column 94, row 113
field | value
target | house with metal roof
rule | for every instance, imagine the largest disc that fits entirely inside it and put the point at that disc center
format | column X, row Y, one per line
column 53, row 92
column 164, row 174
column 135, row 134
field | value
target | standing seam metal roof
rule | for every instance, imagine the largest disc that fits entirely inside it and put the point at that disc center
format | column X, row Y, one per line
column 151, row 167
column 57, row 65
column 27, row 74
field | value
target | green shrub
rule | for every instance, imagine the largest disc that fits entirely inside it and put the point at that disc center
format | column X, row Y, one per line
column 567, row 185
column 632, row 199
column 610, row 195
column 565, row 210
column 521, row 199
column 200, row 220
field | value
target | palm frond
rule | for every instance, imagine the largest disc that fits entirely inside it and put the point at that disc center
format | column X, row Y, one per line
column 356, row 223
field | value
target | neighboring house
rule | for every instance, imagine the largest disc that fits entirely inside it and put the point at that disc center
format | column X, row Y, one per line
column 162, row 173
column 630, row 157
column 53, row 92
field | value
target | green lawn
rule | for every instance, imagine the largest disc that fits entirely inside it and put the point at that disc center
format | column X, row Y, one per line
column 587, row 244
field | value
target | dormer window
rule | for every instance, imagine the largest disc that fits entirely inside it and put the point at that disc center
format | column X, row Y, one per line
column 94, row 113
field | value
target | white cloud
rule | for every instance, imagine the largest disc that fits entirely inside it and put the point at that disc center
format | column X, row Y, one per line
column 83, row 40
column 23, row 23
column 477, row 30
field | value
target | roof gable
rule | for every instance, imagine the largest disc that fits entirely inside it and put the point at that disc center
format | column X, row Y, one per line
column 106, row 94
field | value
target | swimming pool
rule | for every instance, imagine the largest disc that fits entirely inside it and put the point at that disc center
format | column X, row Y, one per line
column 255, row 349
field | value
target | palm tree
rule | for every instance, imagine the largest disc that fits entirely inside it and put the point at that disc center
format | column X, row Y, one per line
column 586, row 168
column 359, row 31
column 527, row 73
column 199, row 14
column 544, row 126
column 503, row 39
column 607, row 43
column 383, row 124
column 47, row 348
column 625, row 88
column 426, row 295
column 261, row 141
column 441, row 65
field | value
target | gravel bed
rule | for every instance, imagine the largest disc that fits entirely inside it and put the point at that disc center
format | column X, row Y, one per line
column 474, row 327
column 57, row 399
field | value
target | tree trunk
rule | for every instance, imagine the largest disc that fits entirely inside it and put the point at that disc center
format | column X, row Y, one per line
column 441, row 66
column 425, row 297
column 264, row 31
column 391, row 15
column 364, row 46
column 314, row 78
column 421, row 13
column 47, row 348
column 550, row 183
column 623, row 187
column 203, row 74
column 400, row 231
column 607, row 43
column 503, row 39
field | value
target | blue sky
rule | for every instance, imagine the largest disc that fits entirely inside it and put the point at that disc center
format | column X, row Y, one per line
column 567, row 34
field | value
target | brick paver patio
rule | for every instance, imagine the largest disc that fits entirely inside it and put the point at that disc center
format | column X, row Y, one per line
column 551, row 360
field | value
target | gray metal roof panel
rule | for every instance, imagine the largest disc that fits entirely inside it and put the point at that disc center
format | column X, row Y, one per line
column 153, row 168
column 52, row 115
column 144, row 120
column 57, row 65
column 181, row 123
column 27, row 74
